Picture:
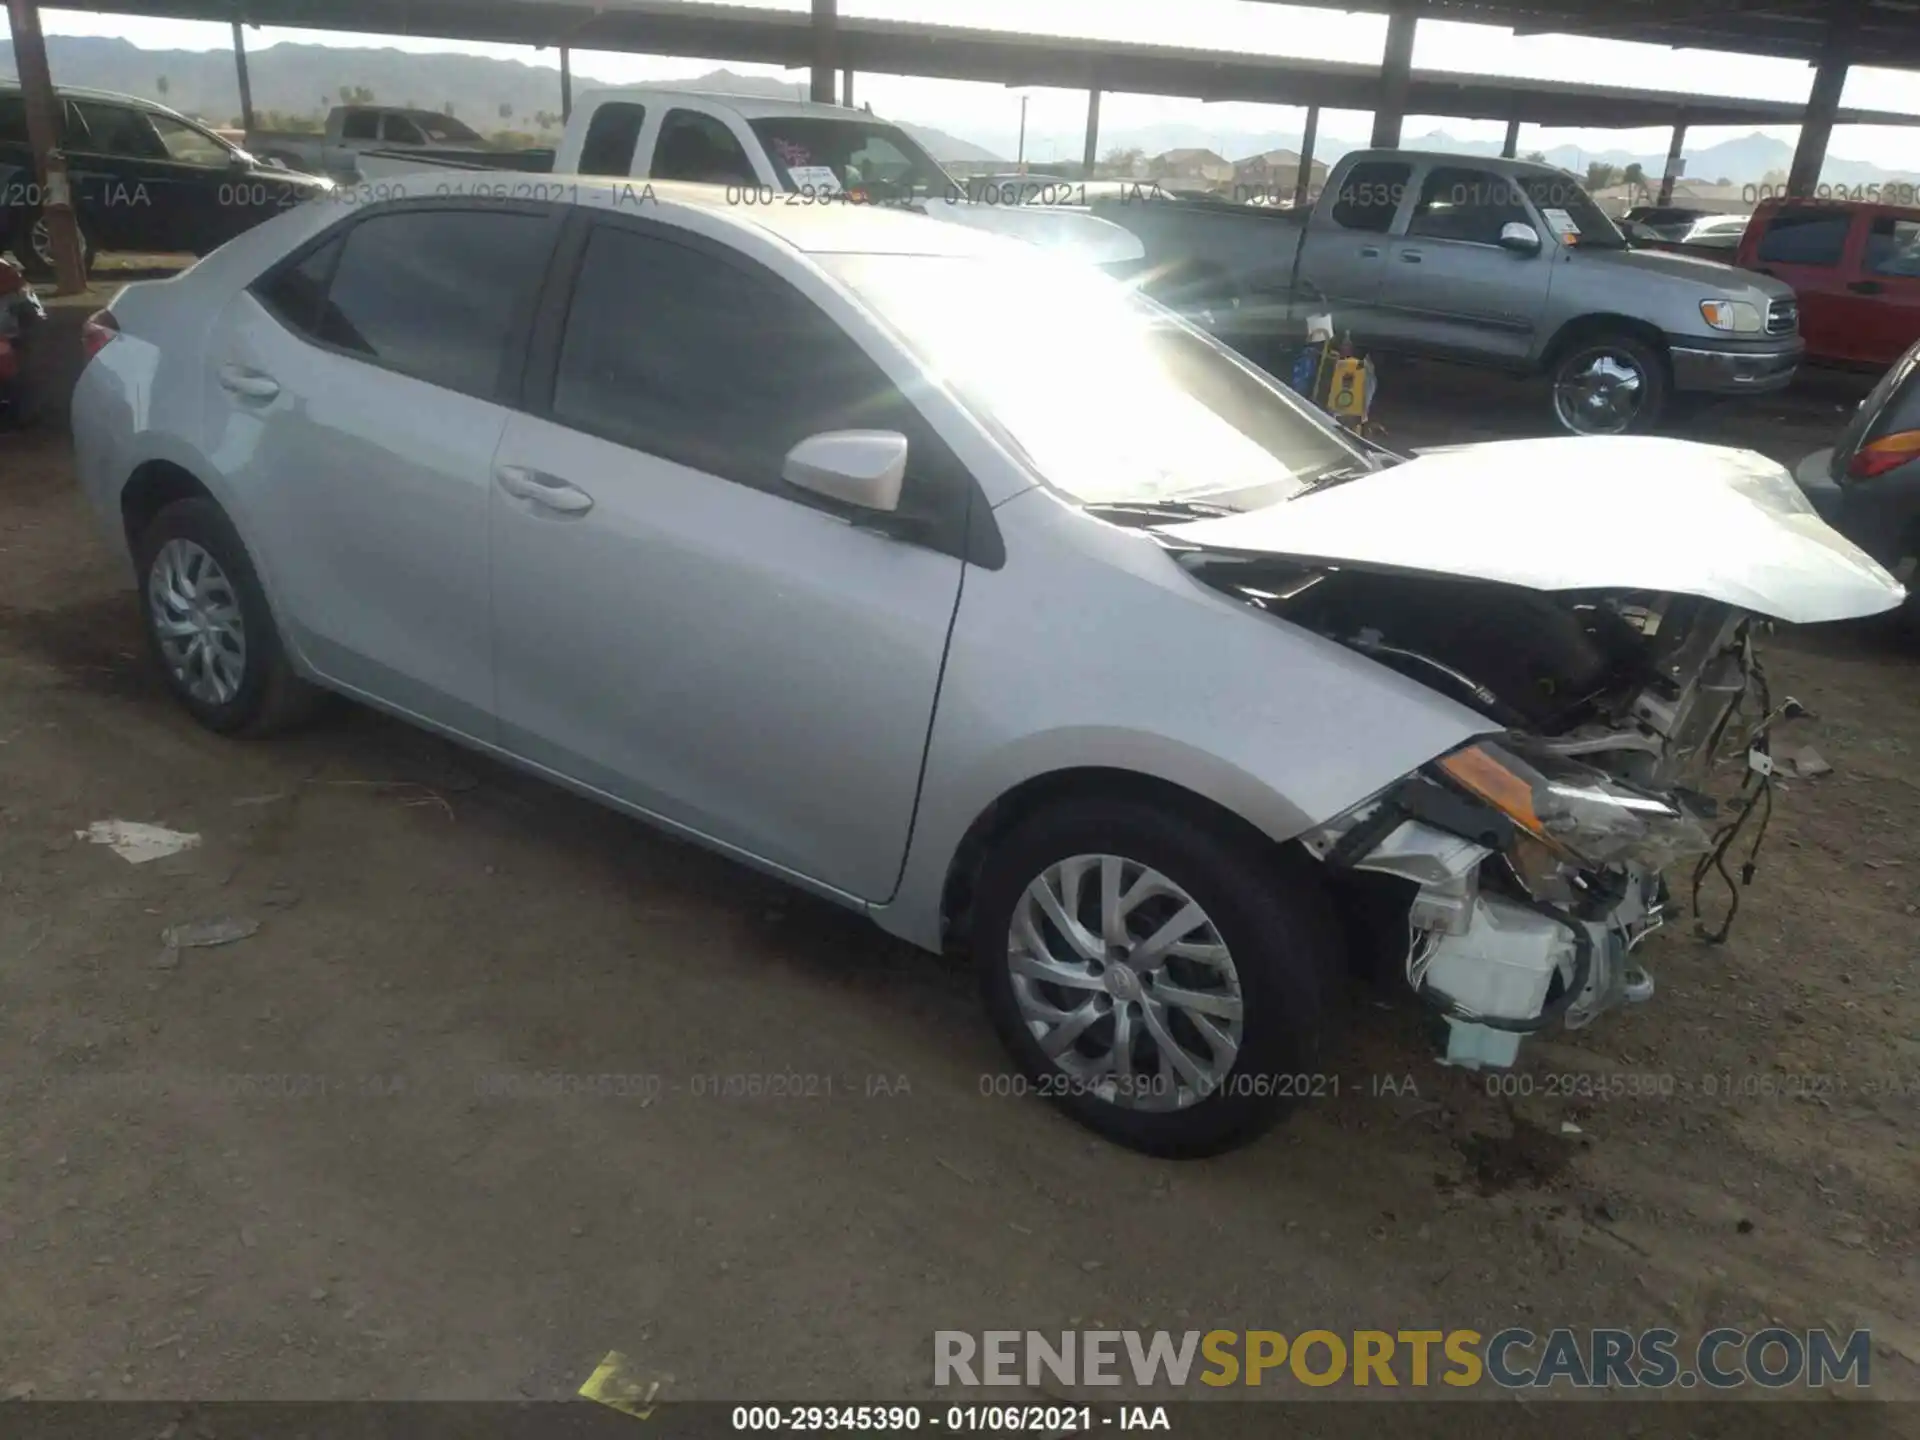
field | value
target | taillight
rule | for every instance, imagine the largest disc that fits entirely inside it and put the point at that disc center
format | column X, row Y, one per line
column 99, row 330
column 1889, row 452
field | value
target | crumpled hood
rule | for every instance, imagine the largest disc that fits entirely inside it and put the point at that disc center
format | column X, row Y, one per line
column 1073, row 233
column 1612, row 513
column 1713, row 278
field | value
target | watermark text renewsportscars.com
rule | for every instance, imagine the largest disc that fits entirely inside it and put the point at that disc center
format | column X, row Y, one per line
column 1512, row 1359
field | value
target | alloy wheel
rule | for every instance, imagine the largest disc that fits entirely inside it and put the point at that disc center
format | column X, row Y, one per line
column 1125, row 984
column 198, row 622
column 1599, row 393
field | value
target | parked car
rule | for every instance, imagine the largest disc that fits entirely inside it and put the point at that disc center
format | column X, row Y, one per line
column 1715, row 233
column 1087, row 645
column 1867, row 484
column 21, row 315
column 1854, row 265
column 1663, row 222
column 144, row 178
column 1499, row 263
column 794, row 152
column 395, row 135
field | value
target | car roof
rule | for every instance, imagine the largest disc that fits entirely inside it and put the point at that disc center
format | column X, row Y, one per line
column 747, row 107
column 843, row 228
column 85, row 92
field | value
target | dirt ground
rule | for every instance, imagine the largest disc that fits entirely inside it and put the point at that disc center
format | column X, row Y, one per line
column 317, row 1163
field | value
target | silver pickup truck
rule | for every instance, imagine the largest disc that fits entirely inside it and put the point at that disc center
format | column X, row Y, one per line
column 1499, row 263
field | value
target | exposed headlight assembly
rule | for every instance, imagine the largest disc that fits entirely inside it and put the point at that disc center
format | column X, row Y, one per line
column 1736, row 317
column 1577, row 811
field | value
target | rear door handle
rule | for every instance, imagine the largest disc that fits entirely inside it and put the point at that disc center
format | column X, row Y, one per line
column 1369, row 252
column 1865, row 287
column 250, row 383
column 549, row 492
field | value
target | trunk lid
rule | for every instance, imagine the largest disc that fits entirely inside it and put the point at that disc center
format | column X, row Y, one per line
column 1581, row 513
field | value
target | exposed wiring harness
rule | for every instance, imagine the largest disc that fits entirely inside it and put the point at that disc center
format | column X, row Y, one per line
column 1756, row 793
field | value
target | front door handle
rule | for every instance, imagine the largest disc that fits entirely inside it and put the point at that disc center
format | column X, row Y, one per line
column 1411, row 257
column 250, row 383
column 549, row 492
column 1865, row 287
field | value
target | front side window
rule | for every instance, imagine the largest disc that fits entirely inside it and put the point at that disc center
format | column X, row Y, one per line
column 1370, row 196
column 188, row 144
column 1457, row 203
column 812, row 152
column 1809, row 236
column 1112, row 400
column 1893, row 247
column 1569, row 212
column 699, row 147
column 724, row 369
column 430, row 293
column 402, row 131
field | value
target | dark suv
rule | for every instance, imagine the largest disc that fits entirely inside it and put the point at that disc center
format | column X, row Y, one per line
column 1868, row 485
column 144, row 179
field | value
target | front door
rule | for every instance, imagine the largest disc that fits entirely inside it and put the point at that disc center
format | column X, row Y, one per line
column 1806, row 246
column 1450, row 288
column 354, row 395
column 677, row 626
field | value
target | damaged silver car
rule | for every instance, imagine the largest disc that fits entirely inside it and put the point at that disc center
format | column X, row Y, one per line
column 965, row 588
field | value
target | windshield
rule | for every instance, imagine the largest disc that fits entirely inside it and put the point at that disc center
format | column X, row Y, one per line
column 1111, row 399
column 812, row 152
column 1570, row 212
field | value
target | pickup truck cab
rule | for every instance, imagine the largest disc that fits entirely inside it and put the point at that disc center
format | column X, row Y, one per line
column 787, row 153
column 1499, row 263
column 1855, row 267
column 145, row 179
column 390, row 133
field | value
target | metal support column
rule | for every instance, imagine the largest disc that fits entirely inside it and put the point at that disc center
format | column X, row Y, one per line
column 246, row 80
column 1303, row 182
column 1511, row 149
column 1674, row 163
column 566, row 84
column 1093, row 135
column 1396, row 75
column 1823, row 101
column 826, row 46
column 54, row 197
column 846, row 88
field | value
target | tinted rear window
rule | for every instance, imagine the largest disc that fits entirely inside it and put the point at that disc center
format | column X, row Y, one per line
column 1805, row 237
column 1893, row 404
column 434, row 293
column 612, row 136
column 13, row 120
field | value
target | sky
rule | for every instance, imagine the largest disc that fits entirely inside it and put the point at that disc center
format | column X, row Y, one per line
column 1234, row 25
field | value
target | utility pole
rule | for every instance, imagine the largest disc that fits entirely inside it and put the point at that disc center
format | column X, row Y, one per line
column 43, row 137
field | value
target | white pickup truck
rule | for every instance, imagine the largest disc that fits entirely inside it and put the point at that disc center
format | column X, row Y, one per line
column 353, row 131
column 769, row 152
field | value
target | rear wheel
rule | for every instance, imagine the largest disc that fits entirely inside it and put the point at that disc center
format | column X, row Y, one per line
column 1609, row 383
column 1164, row 981
column 209, row 626
column 33, row 243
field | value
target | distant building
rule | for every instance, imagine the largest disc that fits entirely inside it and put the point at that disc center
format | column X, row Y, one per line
column 1274, row 173
column 1191, row 168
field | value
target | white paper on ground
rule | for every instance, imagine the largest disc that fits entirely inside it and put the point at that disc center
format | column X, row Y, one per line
column 135, row 842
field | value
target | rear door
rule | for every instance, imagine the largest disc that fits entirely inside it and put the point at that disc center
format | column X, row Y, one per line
column 118, row 197
column 1886, row 285
column 678, row 627
column 355, row 395
column 1807, row 246
column 1449, row 287
column 1343, row 256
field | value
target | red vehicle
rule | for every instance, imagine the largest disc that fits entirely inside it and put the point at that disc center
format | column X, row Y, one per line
column 1855, row 266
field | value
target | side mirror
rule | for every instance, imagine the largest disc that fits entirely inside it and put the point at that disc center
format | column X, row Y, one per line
column 864, row 468
column 1521, row 239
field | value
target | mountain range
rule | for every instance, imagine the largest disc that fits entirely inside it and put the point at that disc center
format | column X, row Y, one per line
column 491, row 94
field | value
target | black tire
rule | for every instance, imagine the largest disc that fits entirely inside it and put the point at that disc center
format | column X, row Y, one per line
column 1656, row 385
column 270, row 698
column 20, row 238
column 1267, row 907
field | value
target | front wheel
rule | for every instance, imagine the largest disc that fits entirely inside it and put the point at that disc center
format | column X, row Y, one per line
column 1609, row 384
column 1165, row 981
